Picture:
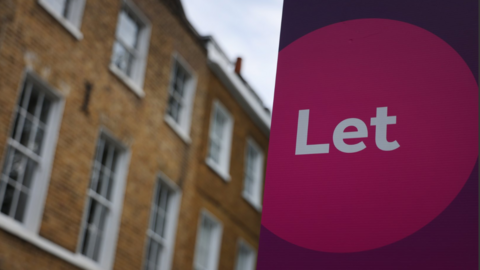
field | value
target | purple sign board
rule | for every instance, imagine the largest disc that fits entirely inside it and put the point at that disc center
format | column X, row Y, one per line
column 373, row 157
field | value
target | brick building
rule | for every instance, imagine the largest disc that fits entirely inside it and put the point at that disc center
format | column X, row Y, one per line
column 127, row 140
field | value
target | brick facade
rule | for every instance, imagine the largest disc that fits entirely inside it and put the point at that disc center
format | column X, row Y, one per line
column 31, row 39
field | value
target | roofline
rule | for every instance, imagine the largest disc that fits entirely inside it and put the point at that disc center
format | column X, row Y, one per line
column 249, row 101
column 220, row 64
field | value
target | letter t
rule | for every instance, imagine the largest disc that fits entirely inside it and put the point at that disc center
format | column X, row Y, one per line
column 381, row 122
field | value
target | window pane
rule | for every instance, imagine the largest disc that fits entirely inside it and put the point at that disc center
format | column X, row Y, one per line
column 102, row 178
column 177, row 92
column 96, row 250
column 104, row 157
column 8, row 199
column 122, row 58
column 33, row 102
column 252, row 173
column 27, row 86
column 91, row 211
column 103, row 218
column 154, row 251
column 205, row 244
column 7, row 161
column 128, row 29
column 45, row 110
column 110, row 187
column 174, row 109
column 219, row 124
column 20, row 166
column 157, row 228
column 21, row 205
column 93, row 230
column 98, row 211
column 160, row 224
column 161, row 212
column 179, row 82
column 16, row 127
column 148, row 263
column 214, row 151
column 248, row 186
column 86, row 241
column 26, row 131
column 27, row 179
column 99, row 225
column 16, row 167
column 113, row 167
column 37, row 143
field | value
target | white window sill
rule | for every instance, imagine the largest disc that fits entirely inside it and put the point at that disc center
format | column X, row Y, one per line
column 64, row 22
column 127, row 81
column 178, row 129
column 75, row 259
column 255, row 205
column 217, row 169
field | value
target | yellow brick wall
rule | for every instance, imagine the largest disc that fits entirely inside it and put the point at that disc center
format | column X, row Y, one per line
column 222, row 199
column 35, row 40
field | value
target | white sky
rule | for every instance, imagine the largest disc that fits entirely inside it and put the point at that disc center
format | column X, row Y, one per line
column 246, row 28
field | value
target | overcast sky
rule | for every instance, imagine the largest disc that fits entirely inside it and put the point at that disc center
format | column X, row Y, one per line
column 246, row 28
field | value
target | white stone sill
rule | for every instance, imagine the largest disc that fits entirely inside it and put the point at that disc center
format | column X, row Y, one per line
column 75, row 259
column 217, row 170
column 256, row 206
column 180, row 132
column 127, row 81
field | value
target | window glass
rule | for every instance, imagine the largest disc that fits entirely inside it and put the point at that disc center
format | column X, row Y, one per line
column 207, row 245
column 99, row 198
column 177, row 93
column 127, row 29
column 23, row 151
column 245, row 258
column 216, row 135
column 251, row 169
column 156, row 234
column 125, row 49
column 253, row 184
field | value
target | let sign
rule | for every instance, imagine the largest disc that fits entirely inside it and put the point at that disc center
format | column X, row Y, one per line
column 373, row 158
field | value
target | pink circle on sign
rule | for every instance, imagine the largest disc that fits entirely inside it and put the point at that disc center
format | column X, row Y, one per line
column 351, row 202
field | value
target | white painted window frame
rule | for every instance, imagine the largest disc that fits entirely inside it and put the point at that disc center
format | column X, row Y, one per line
column 109, row 244
column 41, row 178
column 243, row 244
column 166, row 257
column 222, row 169
column 254, row 199
column 215, row 243
column 183, row 127
column 135, row 82
column 74, row 19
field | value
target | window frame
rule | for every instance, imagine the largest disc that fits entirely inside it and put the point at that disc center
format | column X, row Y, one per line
column 41, row 178
column 166, row 258
column 215, row 244
column 109, row 241
column 243, row 244
column 135, row 81
column 222, row 168
column 182, row 128
column 254, row 199
column 73, row 21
